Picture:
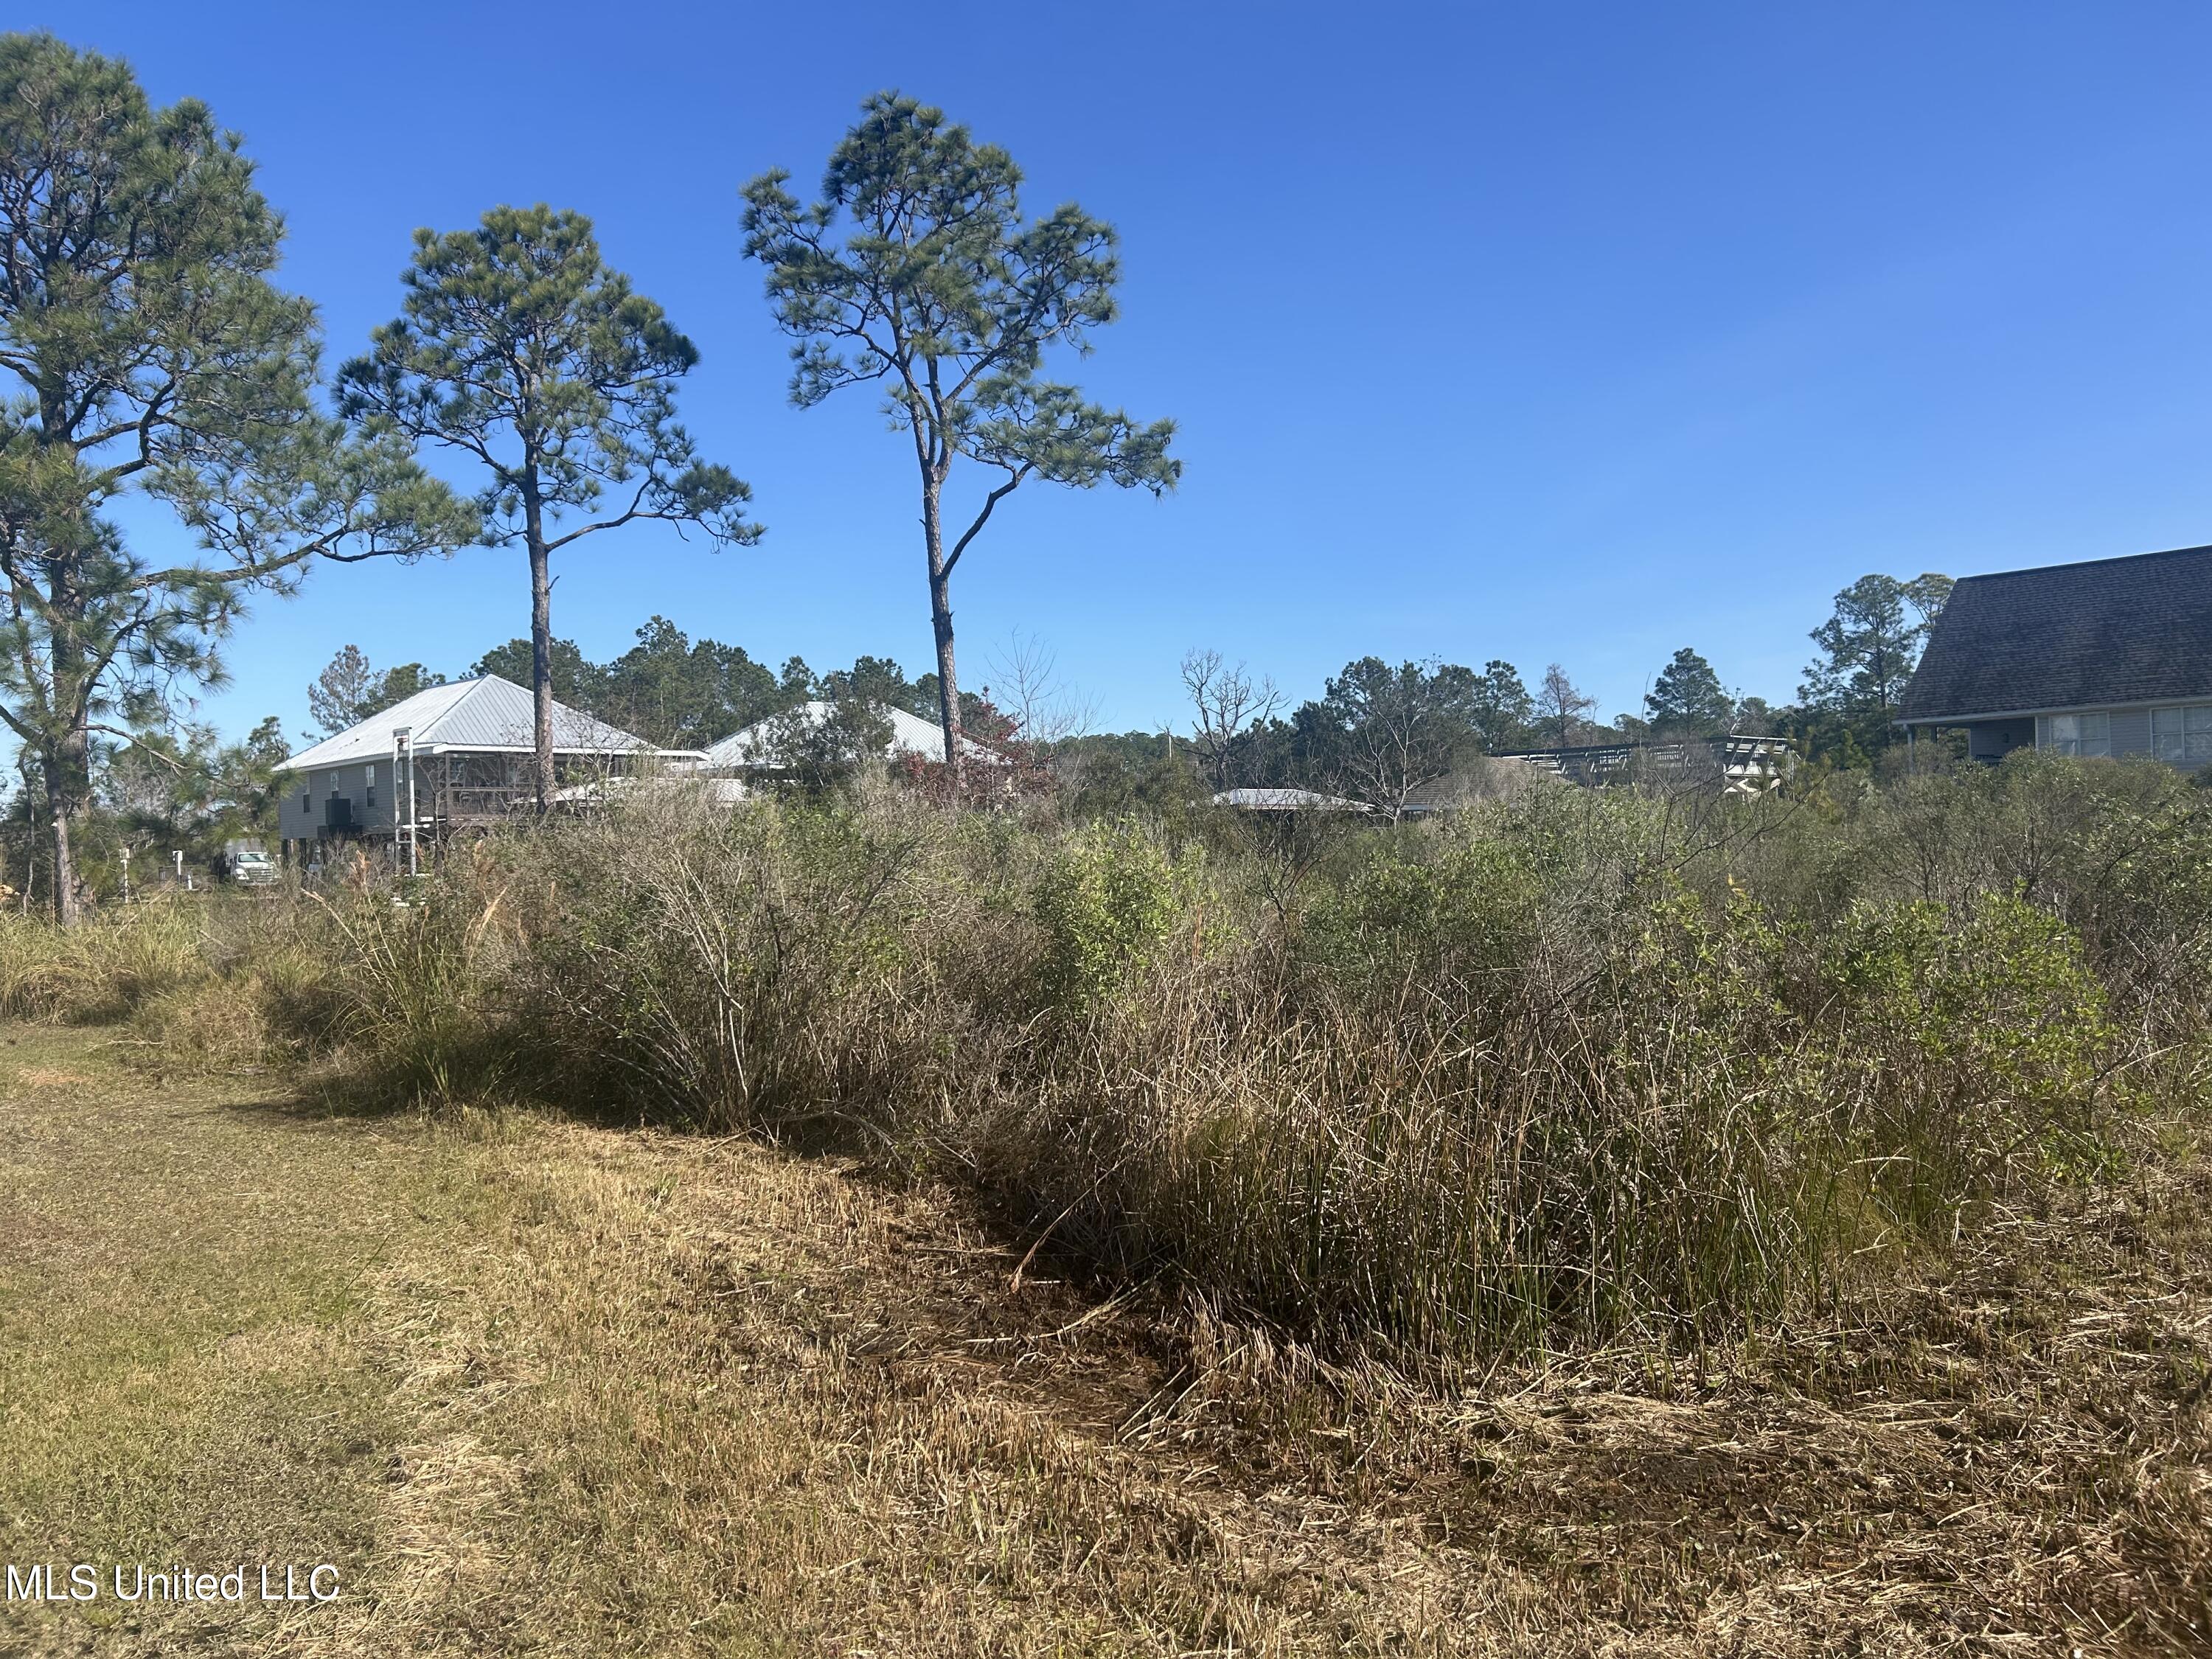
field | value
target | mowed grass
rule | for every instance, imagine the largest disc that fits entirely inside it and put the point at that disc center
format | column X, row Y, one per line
column 187, row 1370
column 538, row 1387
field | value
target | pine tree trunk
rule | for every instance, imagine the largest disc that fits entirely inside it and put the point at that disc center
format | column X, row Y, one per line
column 65, row 756
column 69, row 785
column 541, row 649
column 66, row 912
column 940, row 622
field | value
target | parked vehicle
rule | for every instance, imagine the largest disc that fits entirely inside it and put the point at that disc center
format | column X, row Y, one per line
column 248, row 864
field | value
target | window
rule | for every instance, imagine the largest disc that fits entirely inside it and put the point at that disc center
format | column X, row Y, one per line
column 2079, row 734
column 2183, row 736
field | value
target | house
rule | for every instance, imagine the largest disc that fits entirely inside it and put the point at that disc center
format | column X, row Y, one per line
column 2109, row 657
column 757, row 749
column 472, row 744
column 1732, row 765
column 1287, row 800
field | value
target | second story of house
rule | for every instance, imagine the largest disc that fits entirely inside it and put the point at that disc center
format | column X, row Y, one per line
column 2108, row 657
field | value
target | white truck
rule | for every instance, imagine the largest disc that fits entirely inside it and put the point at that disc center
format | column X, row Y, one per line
column 248, row 864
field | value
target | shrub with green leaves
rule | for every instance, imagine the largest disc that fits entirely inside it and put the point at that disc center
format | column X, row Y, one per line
column 1107, row 901
column 1970, row 1049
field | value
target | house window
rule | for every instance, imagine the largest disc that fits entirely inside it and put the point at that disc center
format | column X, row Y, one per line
column 2080, row 734
column 2183, row 736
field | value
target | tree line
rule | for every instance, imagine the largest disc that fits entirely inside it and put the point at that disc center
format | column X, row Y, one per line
column 153, row 357
column 1379, row 734
column 672, row 690
column 1383, row 734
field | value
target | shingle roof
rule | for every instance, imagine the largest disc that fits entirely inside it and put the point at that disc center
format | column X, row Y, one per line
column 2108, row 632
column 486, row 715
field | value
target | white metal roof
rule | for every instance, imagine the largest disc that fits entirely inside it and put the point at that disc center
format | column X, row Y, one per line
column 911, row 735
column 483, row 715
column 1287, row 800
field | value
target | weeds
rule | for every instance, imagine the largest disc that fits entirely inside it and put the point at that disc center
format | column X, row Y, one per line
column 1567, row 1066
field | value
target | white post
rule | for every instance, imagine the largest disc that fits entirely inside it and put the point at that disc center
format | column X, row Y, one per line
column 126, row 875
column 403, row 765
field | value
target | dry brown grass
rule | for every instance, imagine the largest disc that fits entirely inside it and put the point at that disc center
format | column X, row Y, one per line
column 558, row 1390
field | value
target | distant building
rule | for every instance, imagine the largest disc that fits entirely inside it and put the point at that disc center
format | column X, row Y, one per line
column 1728, row 765
column 473, row 742
column 2109, row 657
column 756, row 749
column 1287, row 800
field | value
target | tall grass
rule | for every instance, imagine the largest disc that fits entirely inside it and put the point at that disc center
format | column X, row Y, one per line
column 1565, row 1064
column 101, row 971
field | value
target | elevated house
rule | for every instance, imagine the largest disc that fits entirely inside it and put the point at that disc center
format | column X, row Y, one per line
column 1731, row 765
column 2108, row 657
column 468, row 748
column 759, row 750
column 1288, row 801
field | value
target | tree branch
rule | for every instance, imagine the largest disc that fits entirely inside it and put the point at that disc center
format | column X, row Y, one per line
column 990, row 501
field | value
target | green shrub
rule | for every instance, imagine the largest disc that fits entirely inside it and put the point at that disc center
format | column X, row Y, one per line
column 1107, row 901
column 1970, row 1049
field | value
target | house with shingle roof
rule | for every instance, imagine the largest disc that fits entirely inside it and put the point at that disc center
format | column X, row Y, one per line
column 2107, row 657
column 468, row 746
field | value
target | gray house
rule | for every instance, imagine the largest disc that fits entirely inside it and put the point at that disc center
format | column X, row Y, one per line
column 2110, row 657
column 471, row 743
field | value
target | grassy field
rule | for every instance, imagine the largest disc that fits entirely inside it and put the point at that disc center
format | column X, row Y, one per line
column 540, row 1386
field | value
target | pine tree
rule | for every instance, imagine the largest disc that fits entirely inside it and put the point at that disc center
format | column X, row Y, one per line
column 1687, row 699
column 940, row 291
column 153, row 357
column 339, row 697
column 519, row 347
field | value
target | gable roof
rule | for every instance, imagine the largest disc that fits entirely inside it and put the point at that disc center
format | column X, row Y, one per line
column 911, row 735
column 2105, row 633
column 483, row 715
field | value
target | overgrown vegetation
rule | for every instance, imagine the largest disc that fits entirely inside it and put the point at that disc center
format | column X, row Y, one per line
column 1568, row 1066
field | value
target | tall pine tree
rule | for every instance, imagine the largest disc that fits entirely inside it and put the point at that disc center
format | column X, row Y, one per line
column 939, row 290
column 152, row 356
column 519, row 348
column 1687, row 699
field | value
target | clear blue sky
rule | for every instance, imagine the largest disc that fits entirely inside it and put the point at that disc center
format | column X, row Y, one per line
column 1576, row 332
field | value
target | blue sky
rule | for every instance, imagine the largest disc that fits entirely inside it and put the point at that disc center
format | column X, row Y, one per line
column 1575, row 333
